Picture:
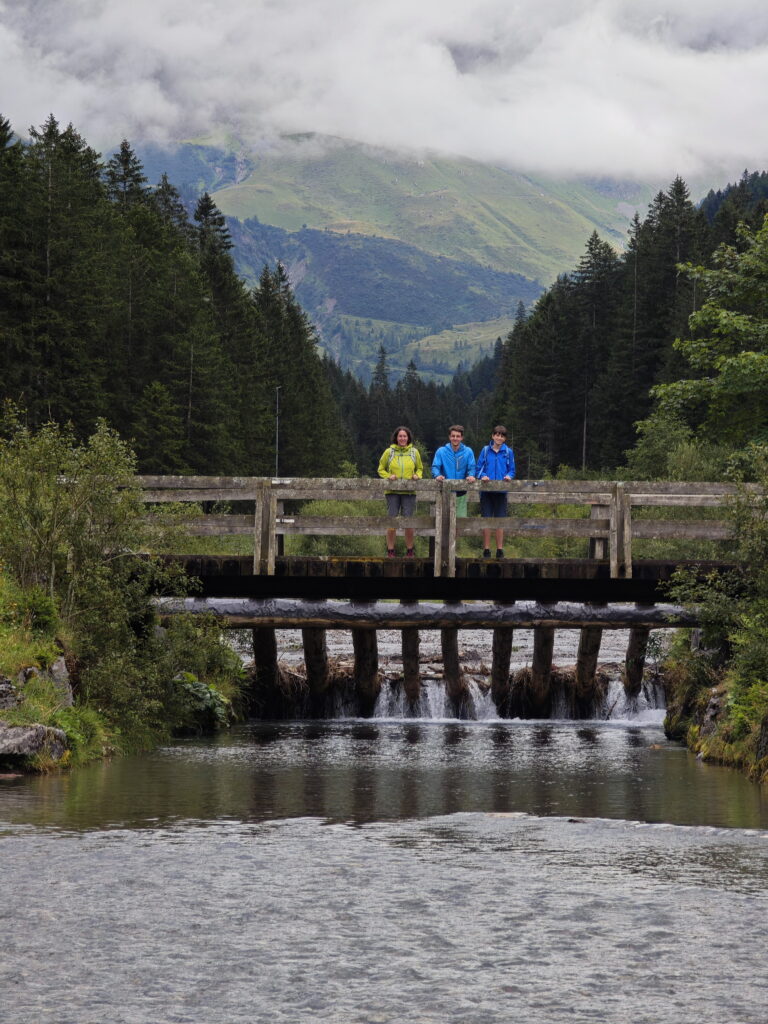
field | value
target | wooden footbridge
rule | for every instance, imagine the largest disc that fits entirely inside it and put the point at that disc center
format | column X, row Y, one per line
column 597, row 555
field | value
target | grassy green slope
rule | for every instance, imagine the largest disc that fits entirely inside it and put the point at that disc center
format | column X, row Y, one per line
column 455, row 208
column 427, row 257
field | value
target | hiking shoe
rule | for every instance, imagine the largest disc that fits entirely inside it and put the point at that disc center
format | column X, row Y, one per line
column 410, row 553
column 486, row 553
column 499, row 552
column 390, row 552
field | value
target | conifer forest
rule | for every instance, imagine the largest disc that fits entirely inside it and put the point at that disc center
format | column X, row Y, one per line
column 119, row 303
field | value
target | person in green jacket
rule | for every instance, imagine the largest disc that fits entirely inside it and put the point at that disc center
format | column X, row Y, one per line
column 400, row 461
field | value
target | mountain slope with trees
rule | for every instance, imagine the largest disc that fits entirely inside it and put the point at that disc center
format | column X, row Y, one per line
column 417, row 245
column 454, row 208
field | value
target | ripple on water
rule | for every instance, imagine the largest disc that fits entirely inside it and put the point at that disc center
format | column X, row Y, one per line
column 469, row 918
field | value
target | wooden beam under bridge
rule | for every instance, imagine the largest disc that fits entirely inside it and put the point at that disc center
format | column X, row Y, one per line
column 288, row 613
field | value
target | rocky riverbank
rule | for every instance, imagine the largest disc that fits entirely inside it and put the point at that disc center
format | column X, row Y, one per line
column 25, row 746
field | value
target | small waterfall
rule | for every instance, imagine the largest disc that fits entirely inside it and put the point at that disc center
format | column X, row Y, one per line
column 608, row 700
column 433, row 703
column 613, row 704
column 648, row 706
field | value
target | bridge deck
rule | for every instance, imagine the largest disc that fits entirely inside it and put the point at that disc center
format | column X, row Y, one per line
column 368, row 579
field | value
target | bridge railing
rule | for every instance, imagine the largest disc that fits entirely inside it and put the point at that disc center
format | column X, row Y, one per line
column 615, row 512
column 642, row 497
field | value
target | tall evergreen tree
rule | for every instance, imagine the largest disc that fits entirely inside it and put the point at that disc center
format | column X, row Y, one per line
column 311, row 441
column 66, row 277
column 124, row 177
column 596, row 295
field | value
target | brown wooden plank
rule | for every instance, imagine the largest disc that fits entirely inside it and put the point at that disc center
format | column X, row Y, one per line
column 679, row 529
column 348, row 525
column 213, row 494
column 544, row 527
column 213, row 526
column 193, row 482
column 678, row 487
column 681, row 500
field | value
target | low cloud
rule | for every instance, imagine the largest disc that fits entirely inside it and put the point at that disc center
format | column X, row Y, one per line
column 591, row 87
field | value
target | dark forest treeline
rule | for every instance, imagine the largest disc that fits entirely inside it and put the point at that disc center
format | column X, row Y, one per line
column 115, row 303
column 371, row 413
column 578, row 372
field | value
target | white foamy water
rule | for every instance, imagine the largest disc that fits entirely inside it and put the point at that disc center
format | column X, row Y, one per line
column 475, row 656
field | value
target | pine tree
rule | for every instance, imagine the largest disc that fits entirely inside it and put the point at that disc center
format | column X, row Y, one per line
column 124, row 177
column 596, row 297
column 66, row 278
column 311, row 441
column 14, row 265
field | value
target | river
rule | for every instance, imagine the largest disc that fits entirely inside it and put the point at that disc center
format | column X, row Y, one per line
column 388, row 871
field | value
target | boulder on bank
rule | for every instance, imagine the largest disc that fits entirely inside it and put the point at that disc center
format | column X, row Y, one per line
column 9, row 695
column 22, row 742
column 58, row 674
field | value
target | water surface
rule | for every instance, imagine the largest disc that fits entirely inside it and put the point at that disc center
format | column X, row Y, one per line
column 358, row 872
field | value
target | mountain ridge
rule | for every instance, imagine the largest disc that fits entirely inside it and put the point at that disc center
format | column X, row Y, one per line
column 472, row 239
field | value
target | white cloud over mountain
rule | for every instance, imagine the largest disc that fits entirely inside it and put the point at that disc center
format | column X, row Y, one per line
column 565, row 86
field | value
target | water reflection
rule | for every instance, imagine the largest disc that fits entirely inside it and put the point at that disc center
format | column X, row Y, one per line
column 589, row 736
column 361, row 772
column 412, row 734
column 542, row 736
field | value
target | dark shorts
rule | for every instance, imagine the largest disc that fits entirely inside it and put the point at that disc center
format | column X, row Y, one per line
column 401, row 504
column 493, row 504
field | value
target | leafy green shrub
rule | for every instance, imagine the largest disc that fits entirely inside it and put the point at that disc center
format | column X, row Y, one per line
column 198, row 707
column 71, row 518
column 690, row 677
column 27, row 627
column 88, row 734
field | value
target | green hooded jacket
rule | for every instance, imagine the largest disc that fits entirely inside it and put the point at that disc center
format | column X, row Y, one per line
column 402, row 461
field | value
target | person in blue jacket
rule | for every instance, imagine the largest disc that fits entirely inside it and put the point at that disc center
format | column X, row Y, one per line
column 495, row 462
column 455, row 461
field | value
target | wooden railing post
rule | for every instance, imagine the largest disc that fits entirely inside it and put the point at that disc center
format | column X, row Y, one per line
column 615, row 529
column 260, row 526
column 449, row 514
column 279, row 537
column 439, row 532
column 271, row 545
column 625, row 513
column 598, row 546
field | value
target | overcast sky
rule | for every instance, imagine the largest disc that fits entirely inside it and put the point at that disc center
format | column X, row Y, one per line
column 640, row 88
